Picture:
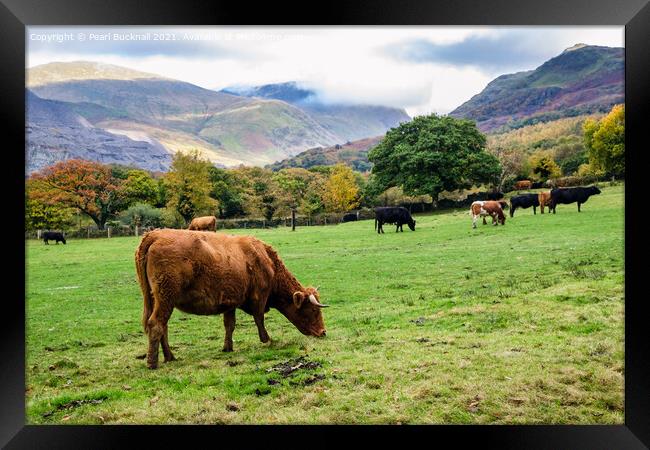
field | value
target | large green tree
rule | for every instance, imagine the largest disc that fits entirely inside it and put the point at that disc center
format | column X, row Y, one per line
column 605, row 141
column 431, row 154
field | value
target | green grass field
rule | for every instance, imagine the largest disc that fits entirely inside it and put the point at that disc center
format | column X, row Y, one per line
column 521, row 323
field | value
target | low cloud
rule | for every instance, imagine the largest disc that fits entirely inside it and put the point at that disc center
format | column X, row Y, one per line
column 496, row 53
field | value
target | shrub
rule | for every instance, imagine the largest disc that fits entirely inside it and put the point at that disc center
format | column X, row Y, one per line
column 172, row 219
column 143, row 215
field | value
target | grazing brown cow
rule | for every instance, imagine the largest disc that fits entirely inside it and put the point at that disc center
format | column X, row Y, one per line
column 523, row 184
column 207, row 274
column 487, row 208
column 544, row 200
column 205, row 223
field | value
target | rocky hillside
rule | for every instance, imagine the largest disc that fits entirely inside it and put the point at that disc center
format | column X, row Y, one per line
column 582, row 79
column 228, row 129
column 354, row 154
column 347, row 122
column 55, row 132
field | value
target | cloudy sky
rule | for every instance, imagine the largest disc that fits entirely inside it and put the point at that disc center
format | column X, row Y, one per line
column 421, row 69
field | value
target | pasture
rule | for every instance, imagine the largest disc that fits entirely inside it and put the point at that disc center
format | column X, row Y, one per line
column 515, row 324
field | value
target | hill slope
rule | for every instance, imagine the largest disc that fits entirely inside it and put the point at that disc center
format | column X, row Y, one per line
column 347, row 122
column 582, row 79
column 354, row 154
column 228, row 129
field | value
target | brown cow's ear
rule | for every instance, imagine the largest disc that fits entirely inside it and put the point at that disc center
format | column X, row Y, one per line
column 298, row 298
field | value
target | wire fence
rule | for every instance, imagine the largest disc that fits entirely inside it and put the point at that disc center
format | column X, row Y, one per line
column 90, row 232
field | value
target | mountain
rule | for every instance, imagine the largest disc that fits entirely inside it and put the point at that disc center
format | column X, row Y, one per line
column 354, row 154
column 55, row 132
column 228, row 129
column 583, row 79
column 347, row 122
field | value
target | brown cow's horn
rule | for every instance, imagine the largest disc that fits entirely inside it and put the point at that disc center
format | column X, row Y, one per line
column 313, row 300
column 317, row 287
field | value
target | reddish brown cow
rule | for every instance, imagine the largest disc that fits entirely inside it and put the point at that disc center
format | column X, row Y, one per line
column 487, row 208
column 207, row 274
column 523, row 184
column 544, row 200
column 205, row 223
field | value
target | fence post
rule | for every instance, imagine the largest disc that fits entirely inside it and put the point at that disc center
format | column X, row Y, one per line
column 136, row 230
column 38, row 234
column 108, row 232
column 88, row 229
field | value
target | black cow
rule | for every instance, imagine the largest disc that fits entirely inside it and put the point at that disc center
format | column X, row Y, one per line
column 524, row 201
column 350, row 217
column 53, row 236
column 494, row 195
column 393, row 214
column 564, row 196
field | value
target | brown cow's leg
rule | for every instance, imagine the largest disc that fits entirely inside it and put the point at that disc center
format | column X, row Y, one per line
column 167, row 353
column 229, row 325
column 484, row 222
column 259, row 321
column 157, row 325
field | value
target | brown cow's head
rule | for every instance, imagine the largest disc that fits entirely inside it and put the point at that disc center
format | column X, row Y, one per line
column 304, row 311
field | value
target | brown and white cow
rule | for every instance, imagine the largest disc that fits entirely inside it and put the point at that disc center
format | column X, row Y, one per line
column 487, row 208
column 205, row 223
column 214, row 273
column 523, row 184
column 544, row 200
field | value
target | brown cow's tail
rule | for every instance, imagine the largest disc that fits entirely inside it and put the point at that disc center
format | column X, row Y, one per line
column 141, row 270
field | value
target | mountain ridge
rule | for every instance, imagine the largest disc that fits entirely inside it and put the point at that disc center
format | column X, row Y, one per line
column 582, row 79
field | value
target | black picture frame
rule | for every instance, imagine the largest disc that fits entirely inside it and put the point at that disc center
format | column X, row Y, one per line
column 15, row 15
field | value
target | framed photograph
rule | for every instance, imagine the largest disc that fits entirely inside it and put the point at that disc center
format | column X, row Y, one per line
column 391, row 214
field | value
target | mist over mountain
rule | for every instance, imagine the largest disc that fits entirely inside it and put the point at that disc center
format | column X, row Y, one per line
column 347, row 121
column 583, row 79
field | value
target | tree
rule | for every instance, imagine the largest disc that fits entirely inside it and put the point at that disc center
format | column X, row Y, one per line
column 544, row 166
column 341, row 191
column 512, row 162
column 260, row 192
column 293, row 185
column 431, row 154
column 227, row 192
column 605, row 141
column 188, row 185
column 140, row 187
column 43, row 215
column 87, row 186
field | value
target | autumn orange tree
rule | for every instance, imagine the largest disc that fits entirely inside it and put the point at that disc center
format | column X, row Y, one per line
column 87, row 186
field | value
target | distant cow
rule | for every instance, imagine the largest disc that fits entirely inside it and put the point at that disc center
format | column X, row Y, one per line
column 524, row 201
column 205, row 223
column 215, row 273
column 565, row 196
column 397, row 215
column 487, row 208
column 350, row 217
column 53, row 236
column 523, row 184
column 544, row 200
